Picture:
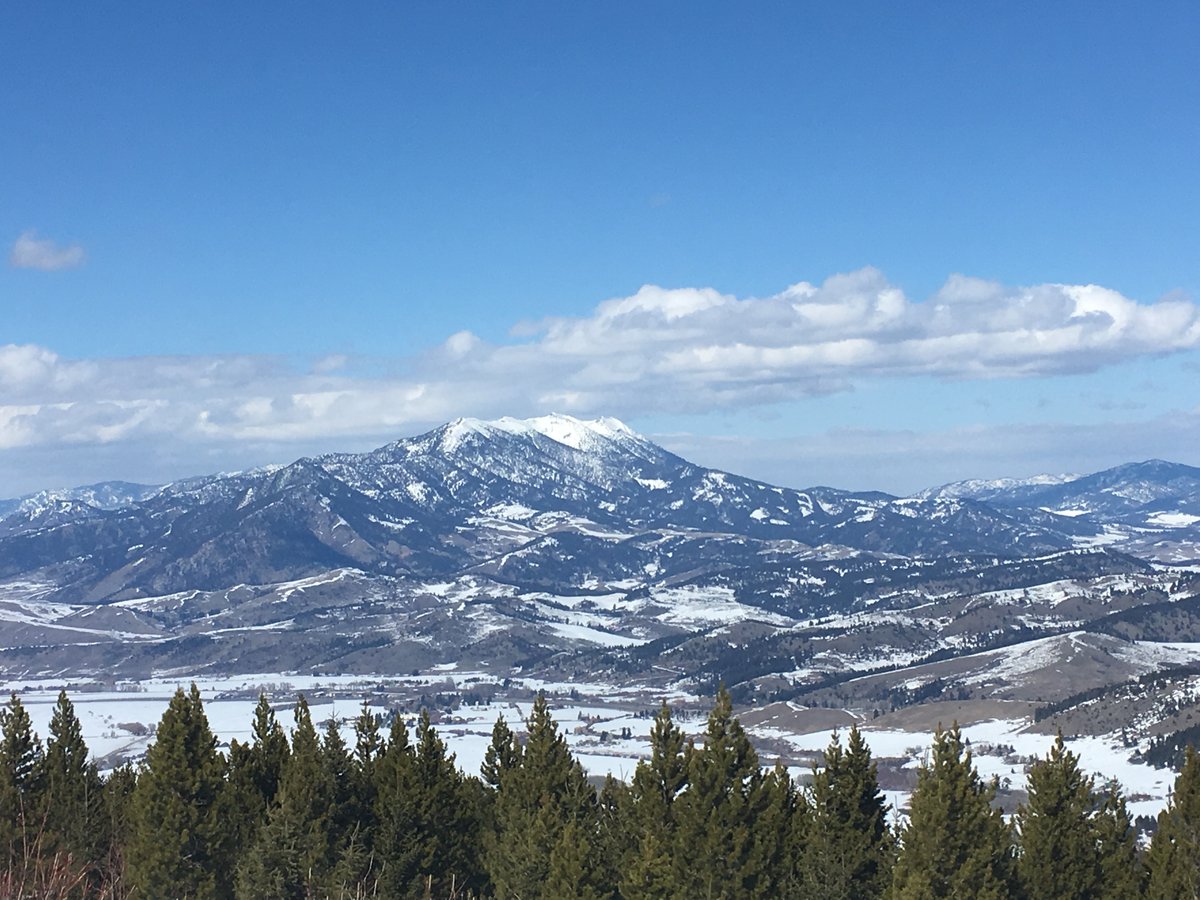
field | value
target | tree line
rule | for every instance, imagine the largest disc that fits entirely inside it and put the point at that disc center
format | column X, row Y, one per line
column 306, row 815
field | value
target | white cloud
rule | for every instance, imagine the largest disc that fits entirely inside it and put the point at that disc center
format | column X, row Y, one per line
column 658, row 351
column 32, row 252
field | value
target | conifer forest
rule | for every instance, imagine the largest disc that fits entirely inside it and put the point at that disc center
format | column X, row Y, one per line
column 300, row 812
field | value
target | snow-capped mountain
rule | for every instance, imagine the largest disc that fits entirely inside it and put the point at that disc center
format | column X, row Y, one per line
column 464, row 495
column 1153, row 494
column 571, row 545
column 986, row 489
column 105, row 495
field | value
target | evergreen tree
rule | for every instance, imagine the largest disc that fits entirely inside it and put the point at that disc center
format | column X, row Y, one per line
column 955, row 844
column 369, row 747
column 269, row 752
column 1174, row 857
column 847, row 852
column 74, row 816
column 659, row 780
column 1122, row 872
column 20, row 788
column 179, row 843
column 770, row 855
column 502, row 755
column 571, row 875
column 338, row 772
column 255, row 770
column 716, row 812
column 649, row 822
column 650, row 875
column 118, row 791
column 293, row 854
column 1059, row 854
column 617, row 837
column 429, row 830
column 535, row 802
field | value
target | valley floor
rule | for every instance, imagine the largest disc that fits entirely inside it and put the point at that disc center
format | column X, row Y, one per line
column 607, row 726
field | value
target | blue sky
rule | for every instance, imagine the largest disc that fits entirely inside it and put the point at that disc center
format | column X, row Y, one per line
column 238, row 233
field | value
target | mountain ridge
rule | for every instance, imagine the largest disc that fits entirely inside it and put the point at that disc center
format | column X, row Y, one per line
column 581, row 549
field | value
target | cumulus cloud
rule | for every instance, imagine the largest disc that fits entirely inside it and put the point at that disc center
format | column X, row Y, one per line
column 689, row 350
column 32, row 252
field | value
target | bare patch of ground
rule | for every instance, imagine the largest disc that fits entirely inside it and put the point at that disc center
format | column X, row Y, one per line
column 928, row 716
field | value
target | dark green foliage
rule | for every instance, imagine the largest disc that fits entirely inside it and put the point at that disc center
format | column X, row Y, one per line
column 714, row 844
column 658, row 780
column 179, row 846
column 20, row 789
column 1122, row 871
column 255, row 771
column 770, row 860
column 1174, row 858
column 536, row 800
column 294, row 851
column 369, row 747
column 73, row 815
column 338, row 772
column 429, row 831
column 269, row 754
column 955, row 843
column 645, row 862
column 847, row 852
column 1059, row 859
column 118, row 794
column 650, row 874
column 572, row 874
column 502, row 754
column 695, row 822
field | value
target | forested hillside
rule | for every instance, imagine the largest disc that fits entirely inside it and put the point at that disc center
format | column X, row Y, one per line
column 308, row 815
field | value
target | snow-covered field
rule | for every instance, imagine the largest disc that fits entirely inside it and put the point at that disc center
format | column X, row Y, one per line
column 607, row 728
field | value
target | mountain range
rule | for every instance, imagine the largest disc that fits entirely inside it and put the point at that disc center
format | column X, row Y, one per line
column 581, row 549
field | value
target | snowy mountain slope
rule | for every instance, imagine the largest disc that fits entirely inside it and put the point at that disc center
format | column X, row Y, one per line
column 466, row 494
column 105, row 495
column 1131, row 494
column 578, row 548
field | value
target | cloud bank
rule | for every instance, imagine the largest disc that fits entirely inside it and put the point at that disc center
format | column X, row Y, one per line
column 32, row 252
column 690, row 350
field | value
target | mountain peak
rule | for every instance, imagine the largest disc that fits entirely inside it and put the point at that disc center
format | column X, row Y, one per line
column 579, row 434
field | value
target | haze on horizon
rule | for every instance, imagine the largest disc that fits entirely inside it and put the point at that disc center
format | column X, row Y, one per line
column 876, row 248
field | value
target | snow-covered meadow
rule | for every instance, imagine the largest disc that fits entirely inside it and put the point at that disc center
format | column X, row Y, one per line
column 607, row 727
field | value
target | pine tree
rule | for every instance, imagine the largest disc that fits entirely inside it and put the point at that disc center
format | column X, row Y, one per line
column 716, row 812
column 571, row 875
column 955, row 844
column 1174, row 857
column 659, row 780
column 269, row 752
column 255, row 770
column 649, row 822
column 771, row 846
column 502, row 755
column 179, row 843
column 650, row 875
column 1122, row 872
column 74, row 814
column 338, row 772
column 20, row 786
column 535, row 802
column 848, row 849
column 369, row 747
column 293, row 854
column 118, row 791
column 1059, row 858
column 429, row 829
